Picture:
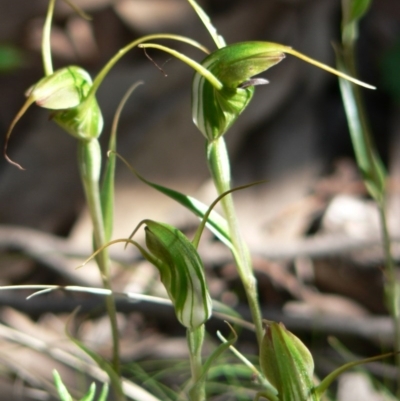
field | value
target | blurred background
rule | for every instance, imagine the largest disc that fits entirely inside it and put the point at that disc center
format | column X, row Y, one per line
column 311, row 228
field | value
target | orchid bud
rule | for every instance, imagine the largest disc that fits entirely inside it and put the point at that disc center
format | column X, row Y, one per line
column 288, row 366
column 215, row 110
column 181, row 271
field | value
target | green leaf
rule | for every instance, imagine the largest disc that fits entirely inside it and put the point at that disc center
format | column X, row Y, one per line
column 353, row 11
column 368, row 160
column 322, row 387
column 65, row 396
column 107, row 187
column 107, row 192
column 101, row 362
column 104, row 393
column 90, row 394
column 60, row 386
column 215, row 222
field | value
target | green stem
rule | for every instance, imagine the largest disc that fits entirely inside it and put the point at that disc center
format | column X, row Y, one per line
column 195, row 339
column 46, row 45
column 374, row 178
column 218, row 161
column 89, row 158
column 106, row 69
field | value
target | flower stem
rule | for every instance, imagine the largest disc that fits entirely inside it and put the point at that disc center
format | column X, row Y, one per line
column 218, row 161
column 195, row 339
column 89, row 158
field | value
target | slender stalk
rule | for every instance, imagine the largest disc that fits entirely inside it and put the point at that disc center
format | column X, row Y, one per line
column 374, row 178
column 218, row 161
column 89, row 158
column 195, row 339
column 106, row 69
column 46, row 45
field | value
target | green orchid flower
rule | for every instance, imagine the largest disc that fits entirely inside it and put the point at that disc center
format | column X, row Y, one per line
column 224, row 81
column 216, row 107
column 69, row 93
column 181, row 271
